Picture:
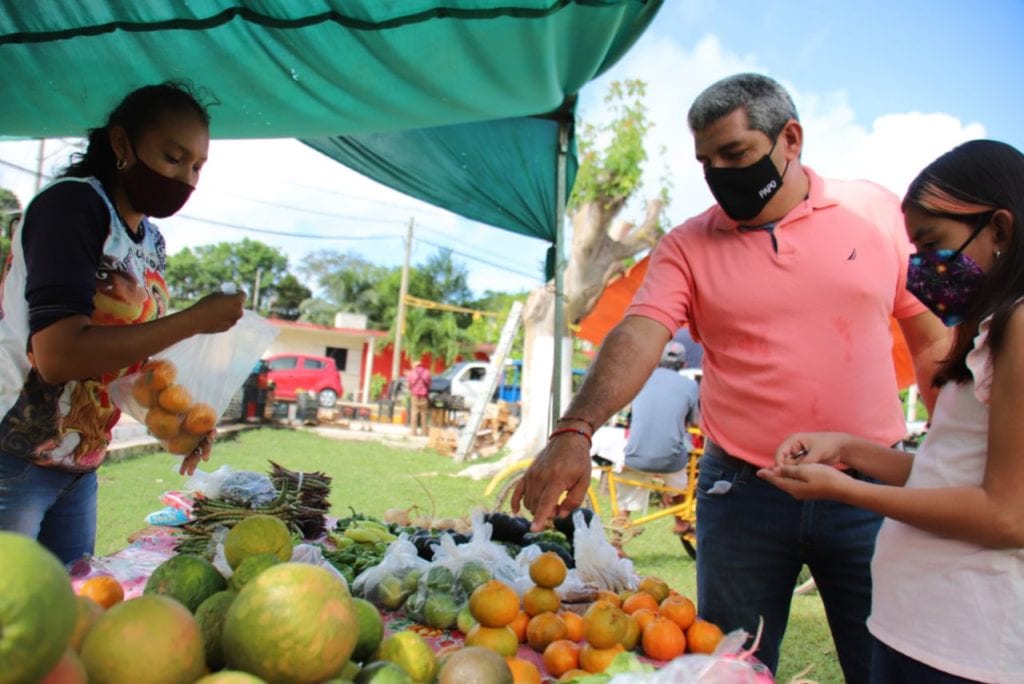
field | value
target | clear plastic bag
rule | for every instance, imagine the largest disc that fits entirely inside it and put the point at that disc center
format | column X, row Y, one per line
column 248, row 488
column 729, row 664
column 597, row 561
column 388, row 584
column 207, row 484
column 180, row 393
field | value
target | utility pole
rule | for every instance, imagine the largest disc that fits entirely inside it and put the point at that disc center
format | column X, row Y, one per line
column 39, row 164
column 256, row 291
column 403, row 290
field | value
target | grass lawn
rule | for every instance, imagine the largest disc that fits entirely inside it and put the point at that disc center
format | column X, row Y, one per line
column 371, row 478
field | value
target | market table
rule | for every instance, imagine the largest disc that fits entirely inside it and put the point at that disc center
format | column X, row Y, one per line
column 151, row 546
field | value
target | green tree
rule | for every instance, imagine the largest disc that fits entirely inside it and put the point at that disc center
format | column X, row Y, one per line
column 611, row 162
column 350, row 283
column 289, row 294
column 192, row 274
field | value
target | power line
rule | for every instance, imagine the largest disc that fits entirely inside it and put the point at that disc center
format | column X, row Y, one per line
column 317, row 212
column 532, row 276
column 270, row 231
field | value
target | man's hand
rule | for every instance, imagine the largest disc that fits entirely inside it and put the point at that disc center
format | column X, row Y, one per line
column 562, row 466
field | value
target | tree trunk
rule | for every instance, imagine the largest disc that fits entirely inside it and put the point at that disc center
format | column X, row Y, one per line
column 597, row 255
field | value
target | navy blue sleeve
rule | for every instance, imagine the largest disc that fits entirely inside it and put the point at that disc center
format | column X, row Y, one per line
column 62, row 237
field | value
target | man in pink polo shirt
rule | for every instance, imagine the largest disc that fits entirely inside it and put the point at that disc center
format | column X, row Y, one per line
column 789, row 281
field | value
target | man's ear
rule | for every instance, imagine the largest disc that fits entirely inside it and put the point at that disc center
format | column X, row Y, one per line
column 792, row 139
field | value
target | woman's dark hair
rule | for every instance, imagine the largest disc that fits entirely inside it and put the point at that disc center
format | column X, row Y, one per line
column 138, row 111
column 965, row 184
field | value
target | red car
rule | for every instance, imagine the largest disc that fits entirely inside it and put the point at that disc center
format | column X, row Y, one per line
column 316, row 374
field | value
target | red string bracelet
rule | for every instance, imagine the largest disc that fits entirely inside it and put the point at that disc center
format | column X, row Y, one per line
column 564, row 431
column 581, row 420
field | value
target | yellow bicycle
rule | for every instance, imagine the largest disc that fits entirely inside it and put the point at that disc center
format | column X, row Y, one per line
column 620, row 529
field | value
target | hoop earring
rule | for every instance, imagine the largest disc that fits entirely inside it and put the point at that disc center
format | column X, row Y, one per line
column 121, row 163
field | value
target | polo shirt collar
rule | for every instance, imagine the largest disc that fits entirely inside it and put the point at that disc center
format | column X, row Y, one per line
column 817, row 198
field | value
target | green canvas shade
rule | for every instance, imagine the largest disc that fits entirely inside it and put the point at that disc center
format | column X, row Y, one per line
column 459, row 102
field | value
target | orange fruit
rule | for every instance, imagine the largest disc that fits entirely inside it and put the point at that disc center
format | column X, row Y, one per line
column 543, row 629
column 573, row 623
column 174, row 399
column 499, row 639
column 632, row 636
column 161, row 424
column 703, row 636
column 603, row 625
column 643, row 616
column 183, row 444
column 598, row 659
column 539, row 600
column 494, row 604
column 679, row 610
column 103, row 589
column 573, row 674
column 523, row 671
column 655, row 586
column 143, row 395
column 157, row 374
column 561, row 656
column 663, row 640
column 518, row 625
column 609, row 596
column 200, row 419
column 548, row 570
column 637, row 601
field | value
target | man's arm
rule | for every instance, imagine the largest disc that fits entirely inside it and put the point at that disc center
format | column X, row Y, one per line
column 628, row 355
column 928, row 341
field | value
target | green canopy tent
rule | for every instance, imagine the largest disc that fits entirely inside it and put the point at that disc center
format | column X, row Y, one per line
column 375, row 84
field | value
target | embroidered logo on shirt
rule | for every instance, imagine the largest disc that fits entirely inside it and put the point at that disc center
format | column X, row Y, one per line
column 853, row 255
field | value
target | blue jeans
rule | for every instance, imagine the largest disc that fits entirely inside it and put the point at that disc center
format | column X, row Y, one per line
column 56, row 507
column 753, row 539
column 889, row 666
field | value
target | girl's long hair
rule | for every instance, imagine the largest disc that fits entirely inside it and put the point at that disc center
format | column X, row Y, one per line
column 966, row 183
column 138, row 111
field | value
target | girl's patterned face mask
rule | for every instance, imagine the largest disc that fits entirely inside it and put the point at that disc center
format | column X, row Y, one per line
column 945, row 281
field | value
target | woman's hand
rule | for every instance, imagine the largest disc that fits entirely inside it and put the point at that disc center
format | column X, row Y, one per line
column 216, row 312
column 811, row 447
column 200, row 453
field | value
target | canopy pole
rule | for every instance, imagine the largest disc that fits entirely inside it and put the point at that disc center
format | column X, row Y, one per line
column 560, row 200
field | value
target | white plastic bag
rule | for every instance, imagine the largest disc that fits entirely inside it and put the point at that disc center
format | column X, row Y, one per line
column 207, row 484
column 597, row 561
column 181, row 393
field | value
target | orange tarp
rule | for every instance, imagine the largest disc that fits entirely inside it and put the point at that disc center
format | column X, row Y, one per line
column 612, row 303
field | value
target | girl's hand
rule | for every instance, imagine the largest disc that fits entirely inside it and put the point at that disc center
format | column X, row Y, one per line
column 810, row 481
column 200, row 453
column 811, row 447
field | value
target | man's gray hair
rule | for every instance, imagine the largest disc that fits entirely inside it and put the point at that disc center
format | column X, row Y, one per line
column 767, row 103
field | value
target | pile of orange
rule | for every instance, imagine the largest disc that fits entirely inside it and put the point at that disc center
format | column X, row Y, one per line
column 662, row 622
column 171, row 415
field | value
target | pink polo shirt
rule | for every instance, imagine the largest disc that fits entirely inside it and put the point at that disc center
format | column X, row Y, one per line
column 796, row 339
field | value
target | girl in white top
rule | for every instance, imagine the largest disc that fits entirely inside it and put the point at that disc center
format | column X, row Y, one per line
column 948, row 570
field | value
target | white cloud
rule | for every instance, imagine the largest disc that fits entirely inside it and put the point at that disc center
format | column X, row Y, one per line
column 890, row 150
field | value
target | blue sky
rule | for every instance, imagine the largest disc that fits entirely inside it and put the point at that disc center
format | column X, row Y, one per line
column 883, row 87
